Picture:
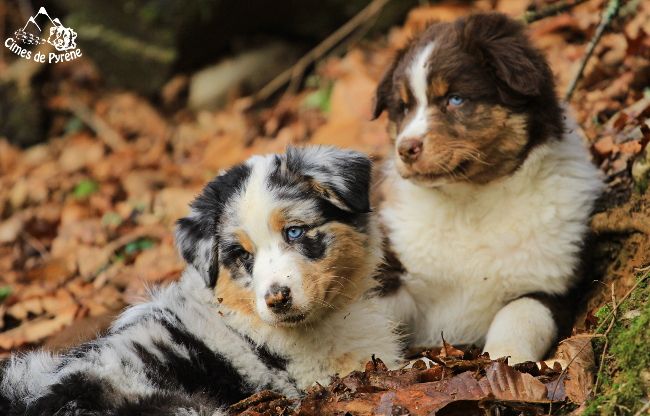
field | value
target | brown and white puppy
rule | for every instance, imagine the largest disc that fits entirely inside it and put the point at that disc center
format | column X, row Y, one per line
column 488, row 195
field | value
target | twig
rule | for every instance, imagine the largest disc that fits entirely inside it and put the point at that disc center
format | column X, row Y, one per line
column 645, row 407
column 553, row 9
column 294, row 74
column 608, row 14
column 356, row 37
column 624, row 298
column 609, row 329
column 104, row 132
column 106, row 255
column 444, row 343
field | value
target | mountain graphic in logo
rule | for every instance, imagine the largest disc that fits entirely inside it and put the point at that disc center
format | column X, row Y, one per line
column 41, row 28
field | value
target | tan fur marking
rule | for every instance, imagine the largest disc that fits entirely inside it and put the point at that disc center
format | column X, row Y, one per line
column 516, row 123
column 392, row 131
column 277, row 220
column 404, row 93
column 318, row 187
column 235, row 297
column 245, row 241
column 438, row 87
column 341, row 277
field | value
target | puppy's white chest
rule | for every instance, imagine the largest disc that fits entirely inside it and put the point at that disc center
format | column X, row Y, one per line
column 452, row 276
column 462, row 243
column 469, row 250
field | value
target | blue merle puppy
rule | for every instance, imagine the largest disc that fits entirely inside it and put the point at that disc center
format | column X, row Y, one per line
column 281, row 250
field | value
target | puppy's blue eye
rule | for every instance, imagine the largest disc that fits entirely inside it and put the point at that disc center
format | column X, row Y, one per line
column 294, row 233
column 455, row 100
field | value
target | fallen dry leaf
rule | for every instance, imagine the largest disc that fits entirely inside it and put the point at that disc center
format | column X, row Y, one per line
column 10, row 229
column 578, row 355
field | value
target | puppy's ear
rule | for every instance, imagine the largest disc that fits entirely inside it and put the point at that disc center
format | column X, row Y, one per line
column 197, row 234
column 339, row 176
column 385, row 87
column 503, row 47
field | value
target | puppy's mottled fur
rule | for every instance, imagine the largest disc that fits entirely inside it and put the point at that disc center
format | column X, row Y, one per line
column 281, row 250
column 488, row 196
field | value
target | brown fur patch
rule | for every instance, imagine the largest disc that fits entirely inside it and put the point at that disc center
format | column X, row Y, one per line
column 438, row 87
column 404, row 93
column 340, row 277
column 277, row 220
column 245, row 241
column 233, row 296
column 389, row 275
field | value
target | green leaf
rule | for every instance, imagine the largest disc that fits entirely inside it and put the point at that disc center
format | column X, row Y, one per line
column 85, row 188
column 138, row 245
column 73, row 125
column 5, row 291
column 320, row 99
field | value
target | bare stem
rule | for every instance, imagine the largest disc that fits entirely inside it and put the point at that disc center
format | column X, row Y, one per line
column 553, row 9
column 608, row 15
column 295, row 72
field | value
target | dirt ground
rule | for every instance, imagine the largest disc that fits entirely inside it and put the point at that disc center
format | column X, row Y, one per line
column 86, row 218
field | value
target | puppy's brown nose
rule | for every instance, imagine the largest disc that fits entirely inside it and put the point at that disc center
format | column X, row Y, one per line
column 409, row 150
column 278, row 298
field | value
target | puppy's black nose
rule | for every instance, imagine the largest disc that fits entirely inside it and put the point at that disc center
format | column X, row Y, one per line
column 409, row 150
column 278, row 298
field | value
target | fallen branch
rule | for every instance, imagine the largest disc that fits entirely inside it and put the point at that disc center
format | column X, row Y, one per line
column 552, row 10
column 608, row 15
column 295, row 72
column 293, row 75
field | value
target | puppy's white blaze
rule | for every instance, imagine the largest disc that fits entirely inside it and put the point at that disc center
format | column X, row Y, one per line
column 273, row 265
column 256, row 203
column 417, row 77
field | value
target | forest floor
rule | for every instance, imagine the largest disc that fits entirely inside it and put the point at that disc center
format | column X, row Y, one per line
column 86, row 219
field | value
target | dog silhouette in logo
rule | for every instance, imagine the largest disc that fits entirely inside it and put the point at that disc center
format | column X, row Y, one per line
column 62, row 38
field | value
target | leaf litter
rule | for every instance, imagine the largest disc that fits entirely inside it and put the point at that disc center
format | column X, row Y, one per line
column 86, row 219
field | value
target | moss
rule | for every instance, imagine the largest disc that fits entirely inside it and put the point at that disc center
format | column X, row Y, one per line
column 624, row 379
